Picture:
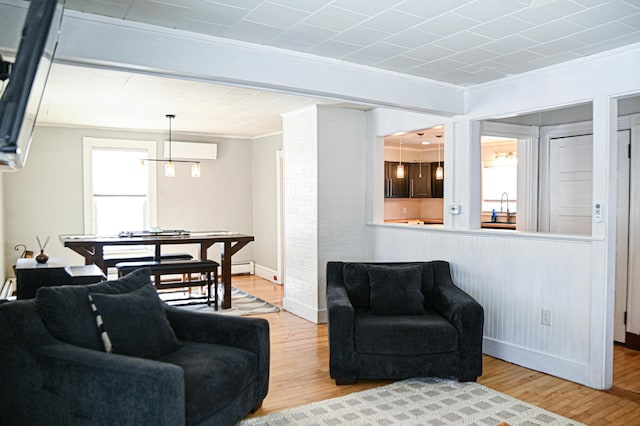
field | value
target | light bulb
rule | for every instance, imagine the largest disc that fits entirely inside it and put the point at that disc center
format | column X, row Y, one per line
column 195, row 170
column 169, row 169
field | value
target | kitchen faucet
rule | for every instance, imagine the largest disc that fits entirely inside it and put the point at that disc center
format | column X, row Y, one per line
column 502, row 197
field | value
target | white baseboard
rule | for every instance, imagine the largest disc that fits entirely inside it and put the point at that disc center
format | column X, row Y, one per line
column 550, row 364
column 305, row 311
column 268, row 274
column 240, row 268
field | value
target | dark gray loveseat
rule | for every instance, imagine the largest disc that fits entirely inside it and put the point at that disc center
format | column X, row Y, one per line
column 400, row 320
column 185, row 368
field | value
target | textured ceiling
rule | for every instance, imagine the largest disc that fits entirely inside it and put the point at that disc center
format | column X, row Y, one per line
column 457, row 41
column 462, row 42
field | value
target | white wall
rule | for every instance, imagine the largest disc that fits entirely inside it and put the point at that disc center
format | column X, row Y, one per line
column 45, row 197
column 324, row 201
column 265, row 204
column 515, row 275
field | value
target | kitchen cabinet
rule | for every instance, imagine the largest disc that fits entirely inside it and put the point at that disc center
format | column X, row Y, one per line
column 419, row 181
column 395, row 187
column 420, row 177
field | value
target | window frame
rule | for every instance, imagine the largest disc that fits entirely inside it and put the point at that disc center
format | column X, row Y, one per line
column 88, row 145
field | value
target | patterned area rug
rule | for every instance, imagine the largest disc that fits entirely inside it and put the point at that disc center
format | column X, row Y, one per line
column 242, row 304
column 420, row 401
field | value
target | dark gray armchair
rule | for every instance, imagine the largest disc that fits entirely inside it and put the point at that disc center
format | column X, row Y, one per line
column 401, row 320
column 185, row 368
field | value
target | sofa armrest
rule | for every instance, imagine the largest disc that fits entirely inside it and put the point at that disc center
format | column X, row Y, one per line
column 341, row 316
column 78, row 386
column 467, row 316
column 251, row 334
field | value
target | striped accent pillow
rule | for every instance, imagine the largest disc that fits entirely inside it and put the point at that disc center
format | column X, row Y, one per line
column 106, row 341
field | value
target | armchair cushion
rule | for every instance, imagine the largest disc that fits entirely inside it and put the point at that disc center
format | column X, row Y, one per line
column 212, row 369
column 67, row 314
column 396, row 290
column 356, row 281
column 136, row 323
column 404, row 334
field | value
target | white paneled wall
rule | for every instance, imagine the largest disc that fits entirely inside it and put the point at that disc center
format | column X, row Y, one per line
column 324, row 207
column 514, row 277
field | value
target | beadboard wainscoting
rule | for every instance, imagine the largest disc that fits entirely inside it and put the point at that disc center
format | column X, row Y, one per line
column 514, row 277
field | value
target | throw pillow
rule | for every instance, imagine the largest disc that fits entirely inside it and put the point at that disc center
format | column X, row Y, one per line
column 136, row 323
column 396, row 290
column 356, row 281
column 66, row 312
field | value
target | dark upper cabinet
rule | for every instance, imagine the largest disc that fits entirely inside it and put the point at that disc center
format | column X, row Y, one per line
column 395, row 187
column 419, row 181
column 437, row 186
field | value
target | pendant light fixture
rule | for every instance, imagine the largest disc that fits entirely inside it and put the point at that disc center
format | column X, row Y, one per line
column 400, row 168
column 420, row 159
column 169, row 166
column 439, row 169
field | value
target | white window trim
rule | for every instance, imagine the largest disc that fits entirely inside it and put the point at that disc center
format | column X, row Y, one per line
column 527, row 197
column 88, row 144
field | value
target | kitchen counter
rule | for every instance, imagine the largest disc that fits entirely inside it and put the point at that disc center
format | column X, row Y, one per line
column 416, row 221
column 498, row 225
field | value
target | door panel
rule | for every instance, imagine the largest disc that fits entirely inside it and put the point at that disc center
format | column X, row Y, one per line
column 570, row 184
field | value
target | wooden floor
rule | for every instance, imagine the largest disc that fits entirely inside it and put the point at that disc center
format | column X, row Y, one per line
column 300, row 372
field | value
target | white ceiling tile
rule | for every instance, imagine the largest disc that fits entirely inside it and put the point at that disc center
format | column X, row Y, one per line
column 509, row 44
column 307, row 5
column 549, row 12
column 472, row 56
column 462, row 41
column 603, row 32
column 365, row 7
column 399, row 63
column 429, row 9
column 412, row 38
column 335, row 19
column 501, row 27
column 448, row 24
column 289, row 44
column 381, row 50
column 609, row 12
column 360, row 59
column 588, row 3
column 429, row 52
column 632, row 21
column 551, row 31
column 488, row 10
column 361, row 36
column 308, row 34
column 197, row 26
column 216, row 13
column 275, row 15
column 522, row 56
column 252, row 32
column 186, row 4
column 114, row 9
column 334, row 49
column 548, row 60
column 392, row 21
column 243, row 4
column 556, row 47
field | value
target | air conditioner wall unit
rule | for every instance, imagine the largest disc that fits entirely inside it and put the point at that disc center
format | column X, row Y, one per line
column 191, row 150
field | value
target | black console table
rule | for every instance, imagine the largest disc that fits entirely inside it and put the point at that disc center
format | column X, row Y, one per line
column 31, row 275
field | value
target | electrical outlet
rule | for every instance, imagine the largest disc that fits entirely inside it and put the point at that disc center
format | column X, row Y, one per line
column 545, row 317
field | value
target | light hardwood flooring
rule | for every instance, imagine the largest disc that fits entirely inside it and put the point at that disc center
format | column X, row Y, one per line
column 300, row 372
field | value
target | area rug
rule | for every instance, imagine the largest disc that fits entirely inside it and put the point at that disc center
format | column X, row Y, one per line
column 242, row 304
column 420, row 401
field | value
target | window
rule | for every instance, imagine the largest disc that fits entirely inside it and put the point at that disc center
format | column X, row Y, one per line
column 499, row 176
column 119, row 189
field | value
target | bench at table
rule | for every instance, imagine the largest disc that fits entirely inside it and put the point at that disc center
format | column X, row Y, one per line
column 204, row 268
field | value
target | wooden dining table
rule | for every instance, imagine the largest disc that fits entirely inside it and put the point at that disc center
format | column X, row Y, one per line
column 91, row 247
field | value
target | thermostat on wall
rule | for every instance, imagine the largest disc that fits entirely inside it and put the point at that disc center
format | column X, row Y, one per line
column 455, row 208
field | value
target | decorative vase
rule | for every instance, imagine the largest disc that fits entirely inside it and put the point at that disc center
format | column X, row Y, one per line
column 42, row 257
